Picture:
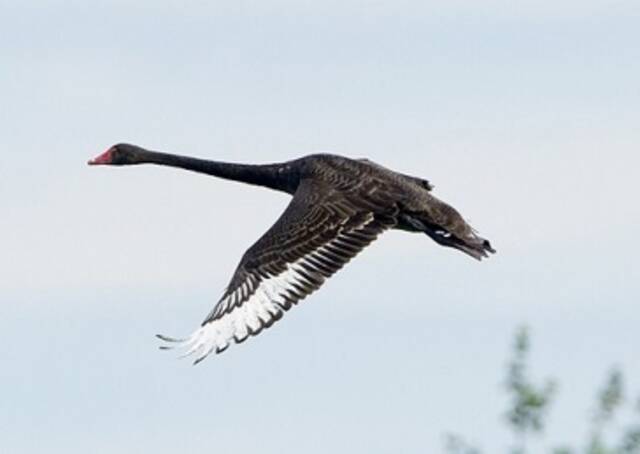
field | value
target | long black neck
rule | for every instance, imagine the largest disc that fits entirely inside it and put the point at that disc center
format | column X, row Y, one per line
column 281, row 177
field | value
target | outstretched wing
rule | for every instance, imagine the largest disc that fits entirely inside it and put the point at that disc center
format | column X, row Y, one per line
column 319, row 232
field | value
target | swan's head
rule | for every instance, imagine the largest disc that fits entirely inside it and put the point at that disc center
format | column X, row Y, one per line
column 118, row 155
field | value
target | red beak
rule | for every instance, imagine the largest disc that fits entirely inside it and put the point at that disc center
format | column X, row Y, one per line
column 104, row 158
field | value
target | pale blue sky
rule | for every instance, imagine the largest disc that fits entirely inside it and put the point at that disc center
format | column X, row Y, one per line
column 523, row 114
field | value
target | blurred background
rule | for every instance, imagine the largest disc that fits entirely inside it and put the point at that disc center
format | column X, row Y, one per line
column 524, row 115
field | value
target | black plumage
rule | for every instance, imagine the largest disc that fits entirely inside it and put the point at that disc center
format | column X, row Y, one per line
column 339, row 207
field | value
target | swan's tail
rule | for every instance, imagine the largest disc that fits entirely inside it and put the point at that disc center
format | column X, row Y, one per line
column 448, row 228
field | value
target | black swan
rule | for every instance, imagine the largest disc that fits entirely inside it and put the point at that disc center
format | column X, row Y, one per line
column 339, row 207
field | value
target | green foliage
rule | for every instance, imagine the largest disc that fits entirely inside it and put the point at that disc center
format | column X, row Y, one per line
column 609, row 400
column 563, row 450
column 456, row 445
column 530, row 404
